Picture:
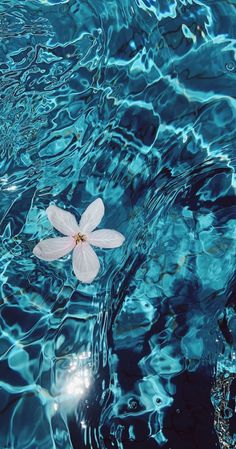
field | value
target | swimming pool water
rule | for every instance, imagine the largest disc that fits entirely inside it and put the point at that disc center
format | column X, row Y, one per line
column 132, row 101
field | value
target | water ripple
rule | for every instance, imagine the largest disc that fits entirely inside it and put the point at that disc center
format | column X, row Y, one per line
column 132, row 101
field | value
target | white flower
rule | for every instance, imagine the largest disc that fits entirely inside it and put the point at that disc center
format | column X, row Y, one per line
column 79, row 238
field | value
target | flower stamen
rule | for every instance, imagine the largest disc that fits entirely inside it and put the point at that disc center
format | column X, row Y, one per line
column 79, row 238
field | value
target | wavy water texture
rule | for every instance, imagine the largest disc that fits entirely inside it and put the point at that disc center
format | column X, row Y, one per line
column 132, row 101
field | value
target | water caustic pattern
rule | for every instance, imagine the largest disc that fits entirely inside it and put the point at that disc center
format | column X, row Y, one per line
column 131, row 101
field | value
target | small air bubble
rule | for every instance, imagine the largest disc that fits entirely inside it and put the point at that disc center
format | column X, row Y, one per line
column 230, row 66
column 228, row 413
column 133, row 404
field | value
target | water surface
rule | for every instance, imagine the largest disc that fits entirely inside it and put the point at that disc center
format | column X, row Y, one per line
column 132, row 101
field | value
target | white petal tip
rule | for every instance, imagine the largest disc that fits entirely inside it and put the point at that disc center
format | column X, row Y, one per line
column 99, row 203
column 86, row 281
column 50, row 208
column 120, row 240
column 37, row 251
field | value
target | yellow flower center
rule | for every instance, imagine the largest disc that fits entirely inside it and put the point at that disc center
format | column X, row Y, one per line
column 79, row 238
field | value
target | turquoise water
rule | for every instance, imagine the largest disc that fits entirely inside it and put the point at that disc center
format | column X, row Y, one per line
column 133, row 102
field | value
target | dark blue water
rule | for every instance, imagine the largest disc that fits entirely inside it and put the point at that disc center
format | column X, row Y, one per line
column 132, row 101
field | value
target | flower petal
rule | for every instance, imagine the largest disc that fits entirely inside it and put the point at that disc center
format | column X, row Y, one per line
column 106, row 238
column 85, row 263
column 52, row 249
column 62, row 220
column 92, row 216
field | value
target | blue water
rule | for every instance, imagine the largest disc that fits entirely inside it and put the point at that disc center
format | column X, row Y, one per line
column 132, row 101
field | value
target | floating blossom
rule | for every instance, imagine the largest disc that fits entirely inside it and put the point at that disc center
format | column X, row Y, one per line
column 79, row 238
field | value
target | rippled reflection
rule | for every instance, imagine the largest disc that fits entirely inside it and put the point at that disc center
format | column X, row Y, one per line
column 73, row 382
column 78, row 380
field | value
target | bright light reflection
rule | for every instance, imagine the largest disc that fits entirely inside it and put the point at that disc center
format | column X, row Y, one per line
column 55, row 406
column 83, row 425
column 4, row 179
column 79, row 382
column 11, row 188
column 77, row 379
